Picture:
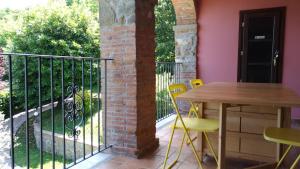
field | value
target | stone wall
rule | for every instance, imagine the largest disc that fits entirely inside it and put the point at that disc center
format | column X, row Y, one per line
column 59, row 142
column 185, row 50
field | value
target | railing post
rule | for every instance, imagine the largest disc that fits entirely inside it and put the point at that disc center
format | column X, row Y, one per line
column 52, row 113
column 91, row 103
column 63, row 110
column 26, row 110
column 74, row 109
column 11, row 114
column 105, row 102
column 83, row 106
column 98, row 102
column 40, row 111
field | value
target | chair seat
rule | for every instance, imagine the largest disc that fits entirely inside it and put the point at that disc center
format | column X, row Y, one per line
column 207, row 125
column 283, row 135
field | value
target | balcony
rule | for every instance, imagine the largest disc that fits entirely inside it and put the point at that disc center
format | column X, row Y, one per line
column 115, row 113
column 61, row 118
column 68, row 128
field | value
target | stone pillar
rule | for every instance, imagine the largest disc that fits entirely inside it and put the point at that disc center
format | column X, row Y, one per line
column 127, row 36
column 185, row 37
column 185, row 50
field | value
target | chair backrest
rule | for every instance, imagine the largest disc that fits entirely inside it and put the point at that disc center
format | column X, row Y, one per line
column 174, row 91
column 196, row 83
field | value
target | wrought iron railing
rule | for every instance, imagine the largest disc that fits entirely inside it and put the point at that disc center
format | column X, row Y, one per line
column 166, row 73
column 76, row 119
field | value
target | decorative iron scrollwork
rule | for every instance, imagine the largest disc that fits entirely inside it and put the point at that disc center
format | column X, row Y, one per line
column 73, row 111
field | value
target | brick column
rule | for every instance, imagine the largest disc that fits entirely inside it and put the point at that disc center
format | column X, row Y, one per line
column 185, row 37
column 127, row 36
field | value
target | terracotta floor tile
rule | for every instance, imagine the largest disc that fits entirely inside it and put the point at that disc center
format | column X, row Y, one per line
column 186, row 160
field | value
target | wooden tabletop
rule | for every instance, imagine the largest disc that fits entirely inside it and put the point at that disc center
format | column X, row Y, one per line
column 244, row 93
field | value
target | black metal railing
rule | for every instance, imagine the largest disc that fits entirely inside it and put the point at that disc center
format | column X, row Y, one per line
column 72, row 87
column 166, row 73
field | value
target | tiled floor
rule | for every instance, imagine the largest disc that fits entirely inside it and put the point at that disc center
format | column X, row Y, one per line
column 186, row 161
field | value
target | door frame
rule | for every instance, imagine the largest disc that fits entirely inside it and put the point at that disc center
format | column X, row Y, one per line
column 282, row 12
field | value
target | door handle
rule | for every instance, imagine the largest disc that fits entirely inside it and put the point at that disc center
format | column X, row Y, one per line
column 275, row 58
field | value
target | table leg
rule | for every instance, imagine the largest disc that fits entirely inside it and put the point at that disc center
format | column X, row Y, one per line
column 283, row 120
column 200, row 139
column 279, row 125
column 222, row 136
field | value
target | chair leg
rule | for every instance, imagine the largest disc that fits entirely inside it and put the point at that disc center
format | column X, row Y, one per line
column 295, row 163
column 169, row 145
column 210, row 147
column 284, row 155
column 192, row 111
column 178, row 154
column 193, row 148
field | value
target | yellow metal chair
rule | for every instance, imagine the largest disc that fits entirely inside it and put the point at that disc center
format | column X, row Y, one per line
column 290, row 137
column 188, row 124
column 196, row 83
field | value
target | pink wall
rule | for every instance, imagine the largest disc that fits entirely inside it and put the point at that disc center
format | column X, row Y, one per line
column 218, row 22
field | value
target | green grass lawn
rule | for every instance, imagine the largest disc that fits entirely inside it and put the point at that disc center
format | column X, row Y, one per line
column 34, row 152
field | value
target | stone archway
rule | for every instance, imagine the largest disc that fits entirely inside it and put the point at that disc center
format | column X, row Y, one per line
column 186, row 37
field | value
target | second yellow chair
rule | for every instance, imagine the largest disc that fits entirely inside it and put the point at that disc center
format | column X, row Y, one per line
column 195, row 83
column 194, row 109
column 287, row 136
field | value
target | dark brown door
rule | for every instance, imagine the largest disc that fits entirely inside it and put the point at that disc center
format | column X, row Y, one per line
column 261, row 45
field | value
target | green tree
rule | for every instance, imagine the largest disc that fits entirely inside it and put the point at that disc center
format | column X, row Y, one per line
column 93, row 5
column 9, row 21
column 165, row 19
column 55, row 30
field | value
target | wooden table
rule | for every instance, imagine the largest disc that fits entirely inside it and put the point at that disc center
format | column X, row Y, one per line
column 226, row 94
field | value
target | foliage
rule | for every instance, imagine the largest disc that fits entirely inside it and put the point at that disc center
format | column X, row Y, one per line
column 9, row 21
column 4, row 103
column 93, row 5
column 164, row 22
column 55, row 30
column 58, row 30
